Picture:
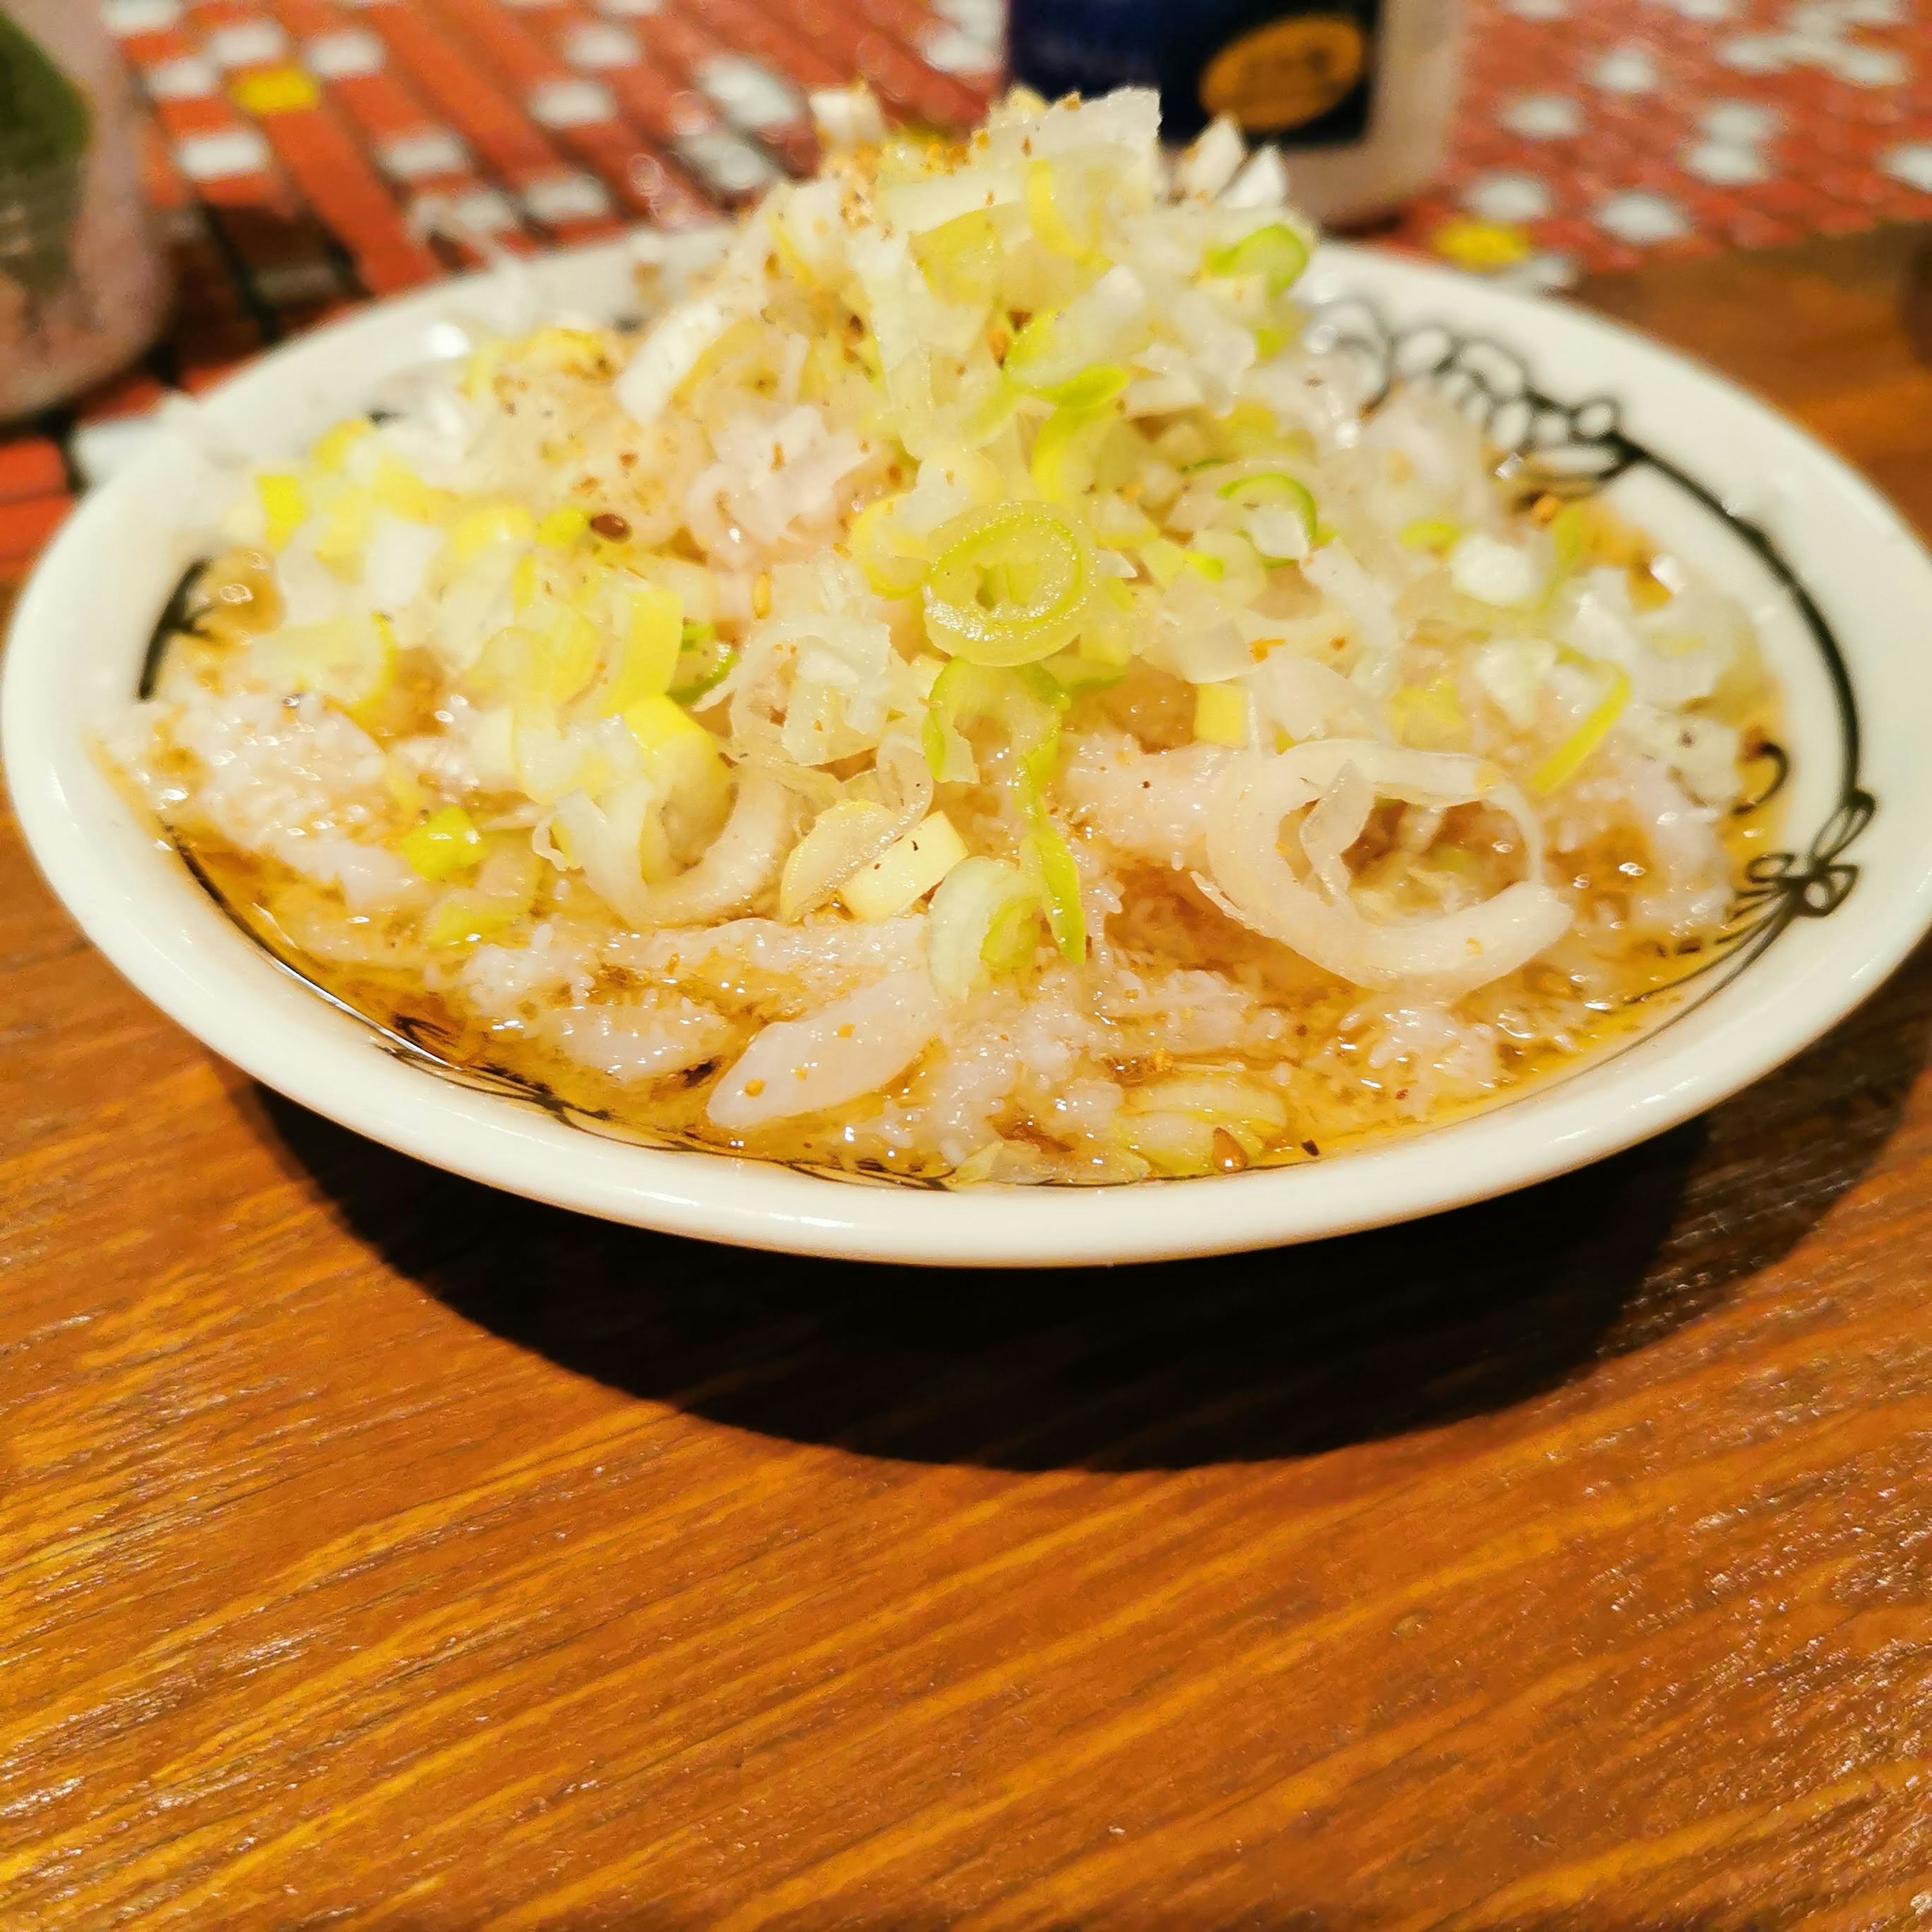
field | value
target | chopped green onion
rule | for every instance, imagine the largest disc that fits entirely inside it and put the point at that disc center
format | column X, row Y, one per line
column 1010, row 584
column 1569, row 757
column 1064, row 451
column 1165, row 559
column 444, row 845
column 1274, row 486
column 1221, row 715
column 1012, row 934
column 1030, row 368
column 1046, row 859
column 1026, row 704
column 284, row 506
column 1099, row 382
column 1435, row 533
column 678, row 752
column 645, row 658
column 905, row 872
column 1276, row 252
column 563, row 527
column 704, row 661
column 350, row 660
column 1023, row 702
column 960, row 259
column 985, row 918
column 1074, row 671
column 503, row 892
column 1050, row 226
column 1429, row 716
column 1569, row 536
column 893, row 559
column 464, row 916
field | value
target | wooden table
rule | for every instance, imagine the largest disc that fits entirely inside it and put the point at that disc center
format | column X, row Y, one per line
column 376, row 1549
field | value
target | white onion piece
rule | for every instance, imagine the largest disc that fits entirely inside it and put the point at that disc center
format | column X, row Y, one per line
column 846, row 117
column 1253, row 883
column 1262, row 181
column 668, row 354
column 1213, row 160
column 396, row 564
column 1365, row 603
column 1197, row 639
column 844, row 837
column 739, row 865
column 819, row 790
column 312, row 593
column 969, row 899
column 851, row 1047
column 903, row 784
column 1309, row 700
column 1334, row 825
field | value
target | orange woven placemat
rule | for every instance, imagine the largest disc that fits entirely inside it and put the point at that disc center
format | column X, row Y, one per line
column 309, row 154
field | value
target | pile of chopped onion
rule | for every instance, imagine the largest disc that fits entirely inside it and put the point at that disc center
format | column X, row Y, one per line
column 797, row 601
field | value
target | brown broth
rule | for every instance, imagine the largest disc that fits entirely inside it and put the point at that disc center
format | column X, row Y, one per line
column 1331, row 1111
column 1574, row 1006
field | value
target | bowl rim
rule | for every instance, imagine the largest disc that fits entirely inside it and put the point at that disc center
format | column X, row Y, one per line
column 222, row 994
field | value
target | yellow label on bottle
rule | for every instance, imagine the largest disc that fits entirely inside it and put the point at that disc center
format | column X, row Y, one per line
column 1286, row 74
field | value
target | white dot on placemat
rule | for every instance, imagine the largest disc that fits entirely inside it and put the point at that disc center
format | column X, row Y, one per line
column 247, row 44
column 1817, row 21
column 486, row 211
column 1506, row 198
column 598, row 44
column 984, row 19
column 1912, row 164
column 1756, row 53
column 1868, row 67
column 139, row 16
column 726, row 161
column 1541, row 117
column 235, row 151
column 753, row 96
column 1538, row 10
column 1545, row 270
column 566, row 197
column 1624, row 70
column 343, row 56
column 1642, row 220
column 189, row 78
column 1709, row 11
column 1741, row 123
column 1725, row 163
column 429, row 151
column 952, row 50
column 571, row 104
column 1873, row 13
column 629, row 10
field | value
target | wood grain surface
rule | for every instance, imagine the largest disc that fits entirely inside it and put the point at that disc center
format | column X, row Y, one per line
column 375, row 1550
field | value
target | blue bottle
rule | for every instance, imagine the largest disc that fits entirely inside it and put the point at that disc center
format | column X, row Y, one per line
column 1361, row 90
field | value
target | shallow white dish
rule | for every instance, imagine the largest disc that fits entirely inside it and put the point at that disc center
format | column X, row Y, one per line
column 1842, row 591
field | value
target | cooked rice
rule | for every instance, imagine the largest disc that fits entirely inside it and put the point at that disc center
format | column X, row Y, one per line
column 964, row 692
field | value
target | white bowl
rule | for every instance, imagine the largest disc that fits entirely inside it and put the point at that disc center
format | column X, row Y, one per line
column 1841, row 588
